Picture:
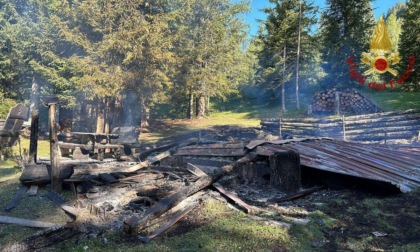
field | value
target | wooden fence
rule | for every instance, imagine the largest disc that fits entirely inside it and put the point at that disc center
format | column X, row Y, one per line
column 379, row 127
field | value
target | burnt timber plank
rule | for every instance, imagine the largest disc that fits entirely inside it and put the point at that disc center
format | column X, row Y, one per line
column 195, row 170
column 15, row 201
column 133, row 223
column 233, row 197
column 168, row 224
column 33, row 190
column 54, row 197
column 26, row 222
column 224, row 152
column 217, row 146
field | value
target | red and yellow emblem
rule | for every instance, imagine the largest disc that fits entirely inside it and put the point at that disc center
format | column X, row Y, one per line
column 380, row 58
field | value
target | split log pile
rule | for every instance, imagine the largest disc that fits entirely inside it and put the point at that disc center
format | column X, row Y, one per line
column 348, row 102
column 396, row 127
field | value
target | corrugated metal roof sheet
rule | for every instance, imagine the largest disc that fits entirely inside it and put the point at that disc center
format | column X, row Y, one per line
column 391, row 164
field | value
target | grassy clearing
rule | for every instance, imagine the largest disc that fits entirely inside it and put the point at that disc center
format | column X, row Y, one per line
column 395, row 101
column 251, row 112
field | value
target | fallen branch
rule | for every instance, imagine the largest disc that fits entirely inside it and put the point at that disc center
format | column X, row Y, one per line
column 132, row 224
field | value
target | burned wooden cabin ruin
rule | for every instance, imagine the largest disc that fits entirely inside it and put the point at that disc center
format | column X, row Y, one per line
column 159, row 185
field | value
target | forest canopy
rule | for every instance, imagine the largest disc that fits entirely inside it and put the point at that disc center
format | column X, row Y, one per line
column 170, row 58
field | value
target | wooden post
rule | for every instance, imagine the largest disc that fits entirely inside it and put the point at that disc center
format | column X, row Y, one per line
column 337, row 103
column 344, row 127
column 285, row 171
column 280, row 127
column 33, row 144
column 54, row 149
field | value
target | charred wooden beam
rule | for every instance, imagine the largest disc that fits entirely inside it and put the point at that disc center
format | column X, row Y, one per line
column 62, row 203
column 233, row 197
column 132, row 224
column 26, row 222
column 15, row 201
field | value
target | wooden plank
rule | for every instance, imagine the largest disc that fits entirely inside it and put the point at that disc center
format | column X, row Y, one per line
column 142, row 155
column 15, row 201
column 168, row 224
column 217, row 146
column 233, row 197
column 54, row 197
column 195, row 170
column 26, row 222
column 211, row 152
column 33, row 190
column 133, row 223
column 151, row 160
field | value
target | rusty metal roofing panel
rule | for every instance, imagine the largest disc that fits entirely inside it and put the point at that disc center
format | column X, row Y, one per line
column 371, row 161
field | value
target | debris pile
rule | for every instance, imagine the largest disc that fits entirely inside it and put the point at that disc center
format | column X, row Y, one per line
column 146, row 198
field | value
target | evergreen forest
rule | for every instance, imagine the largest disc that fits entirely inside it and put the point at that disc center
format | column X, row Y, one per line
column 172, row 59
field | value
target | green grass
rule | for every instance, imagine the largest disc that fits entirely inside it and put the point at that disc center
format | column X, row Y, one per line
column 395, row 101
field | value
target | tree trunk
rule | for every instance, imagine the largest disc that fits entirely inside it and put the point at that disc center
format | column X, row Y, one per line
column 283, row 91
column 297, row 58
column 145, row 113
column 82, row 118
column 201, row 107
column 107, row 115
column 191, row 106
column 207, row 107
column 33, row 145
column 100, row 119
column 285, row 171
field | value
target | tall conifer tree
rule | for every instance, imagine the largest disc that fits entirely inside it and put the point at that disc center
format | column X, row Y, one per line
column 410, row 43
column 346, row 30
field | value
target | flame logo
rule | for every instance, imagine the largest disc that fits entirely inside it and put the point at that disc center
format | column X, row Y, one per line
column 381, row 56
column 380, row 39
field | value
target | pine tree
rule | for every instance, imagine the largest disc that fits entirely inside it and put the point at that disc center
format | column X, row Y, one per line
column 394, row 25
column 285, row 20
column 346, row 30
column 210, row 36
column 410, row 43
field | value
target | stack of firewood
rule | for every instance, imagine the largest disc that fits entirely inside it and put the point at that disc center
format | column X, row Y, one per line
column 349, row 102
